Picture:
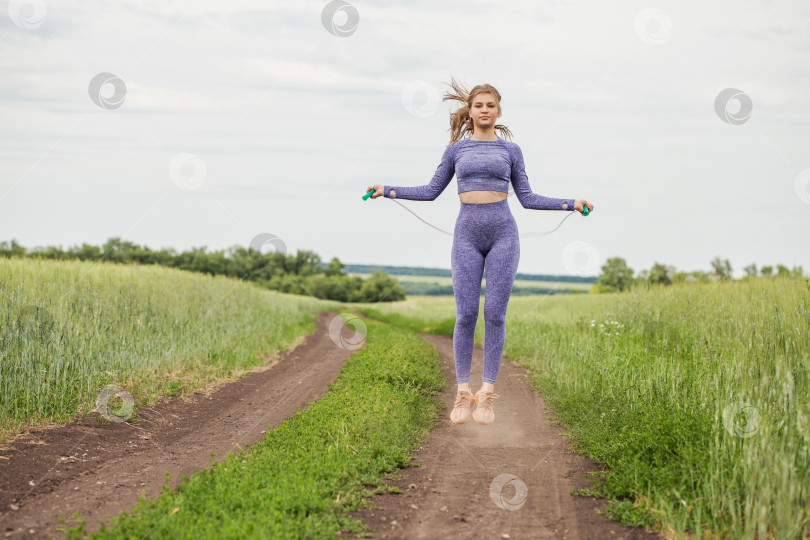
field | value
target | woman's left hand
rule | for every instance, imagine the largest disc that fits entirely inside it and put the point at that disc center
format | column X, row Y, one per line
column 579, row 205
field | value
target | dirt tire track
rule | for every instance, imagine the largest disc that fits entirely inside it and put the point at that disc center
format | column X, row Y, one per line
column 448, row 495
column 98, row 470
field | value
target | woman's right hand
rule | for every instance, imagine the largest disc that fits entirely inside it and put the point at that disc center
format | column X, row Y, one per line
column 378, row 190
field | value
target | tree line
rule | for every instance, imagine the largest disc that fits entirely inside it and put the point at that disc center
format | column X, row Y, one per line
column 305, row 273
column 617, row 276
column 302, row 273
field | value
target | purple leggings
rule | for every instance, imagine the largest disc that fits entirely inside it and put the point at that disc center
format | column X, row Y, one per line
column 485, row 234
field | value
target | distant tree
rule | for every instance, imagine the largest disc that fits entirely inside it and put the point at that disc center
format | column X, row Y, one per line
column 782, row 270
column 661, row 274
column 12, row 249
column 335, row 267
column 616, row 274
column 721, row 269
column 380, row 286
column 751, row 270
column 767, row 271
column 798, row 272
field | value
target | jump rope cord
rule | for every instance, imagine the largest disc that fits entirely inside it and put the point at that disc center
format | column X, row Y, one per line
column 532, row 234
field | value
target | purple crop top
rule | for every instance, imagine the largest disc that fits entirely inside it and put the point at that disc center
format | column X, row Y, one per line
column 481, row 165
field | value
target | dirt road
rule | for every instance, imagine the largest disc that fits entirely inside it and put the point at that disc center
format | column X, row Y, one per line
column 512, row 477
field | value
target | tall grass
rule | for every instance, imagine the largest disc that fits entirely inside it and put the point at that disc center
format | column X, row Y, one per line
column 696, row 396
column 69, row 328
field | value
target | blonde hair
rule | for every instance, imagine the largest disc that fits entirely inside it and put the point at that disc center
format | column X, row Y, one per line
column 460, row 121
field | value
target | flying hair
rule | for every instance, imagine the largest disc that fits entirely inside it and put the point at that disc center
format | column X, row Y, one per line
column 461, row 122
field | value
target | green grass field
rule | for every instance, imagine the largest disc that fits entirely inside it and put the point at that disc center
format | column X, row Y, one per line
column 696, row 397
column 70, row 328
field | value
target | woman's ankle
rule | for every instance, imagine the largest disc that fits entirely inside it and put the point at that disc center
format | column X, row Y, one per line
column 487, row 387
column 464, row 386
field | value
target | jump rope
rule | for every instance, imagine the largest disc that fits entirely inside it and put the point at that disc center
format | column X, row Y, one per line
column 584, row 213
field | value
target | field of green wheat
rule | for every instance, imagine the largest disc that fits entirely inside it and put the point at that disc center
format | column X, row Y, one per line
column 69, row 329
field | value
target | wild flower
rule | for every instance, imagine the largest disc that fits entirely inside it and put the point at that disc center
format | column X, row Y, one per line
column 609, row 327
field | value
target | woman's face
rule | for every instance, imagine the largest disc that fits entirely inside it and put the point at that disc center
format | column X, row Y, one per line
column 484, row 110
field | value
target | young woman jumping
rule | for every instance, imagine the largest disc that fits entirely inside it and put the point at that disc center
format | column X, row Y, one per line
column 485, row 234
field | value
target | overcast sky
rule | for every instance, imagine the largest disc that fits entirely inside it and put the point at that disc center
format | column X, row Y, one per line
column 686, row 124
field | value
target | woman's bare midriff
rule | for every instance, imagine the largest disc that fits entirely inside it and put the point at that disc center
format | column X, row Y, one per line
column 480, row 196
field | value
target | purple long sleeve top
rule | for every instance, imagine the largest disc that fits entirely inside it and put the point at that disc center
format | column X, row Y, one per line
column 481, row 165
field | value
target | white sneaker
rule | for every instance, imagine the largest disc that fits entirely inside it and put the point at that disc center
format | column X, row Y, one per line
column 484, row 413
column 462, row 411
